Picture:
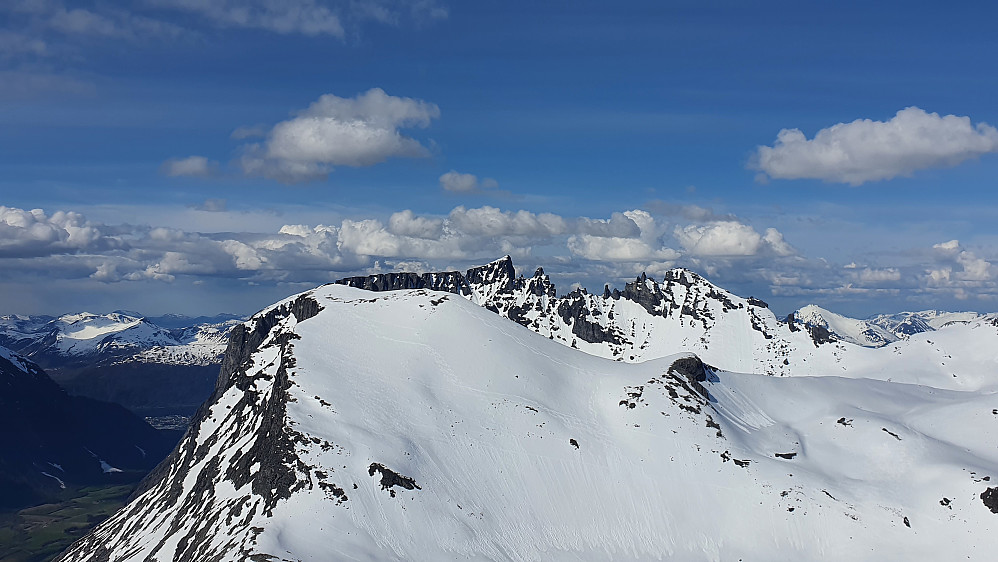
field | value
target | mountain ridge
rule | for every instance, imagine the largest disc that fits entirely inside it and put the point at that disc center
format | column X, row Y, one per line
column 416, row 425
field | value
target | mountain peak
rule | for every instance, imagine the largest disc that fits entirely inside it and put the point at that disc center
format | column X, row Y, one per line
column 418, row 426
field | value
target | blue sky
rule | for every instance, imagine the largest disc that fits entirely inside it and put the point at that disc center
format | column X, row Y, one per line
column 197, row 157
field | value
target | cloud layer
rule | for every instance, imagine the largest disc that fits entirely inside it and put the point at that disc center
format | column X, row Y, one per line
column 50, row 248
column 866, row 150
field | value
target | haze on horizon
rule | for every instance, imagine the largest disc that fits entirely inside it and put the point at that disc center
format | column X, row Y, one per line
column 189, row 157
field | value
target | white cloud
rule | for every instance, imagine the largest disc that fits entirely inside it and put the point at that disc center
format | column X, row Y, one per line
column 618, row 225
column 719, row 239
column 457, row 182
column 192, row 166
column 335, row 131
column 866, row 150
column 975, row 268
column 631, row 236
column 306, row 17
column 870, row 276
column 774, row 239
column 490, row 221
column 731, row 239
column 65, row 245
column 947, row 249
column 614, row 249
column 33, row 233
column 405, row 223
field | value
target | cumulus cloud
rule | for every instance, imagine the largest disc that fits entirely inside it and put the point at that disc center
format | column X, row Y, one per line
column 334, row 131
column 457, row 182
column 688, row 212
column 33, row 233
column 866, row 150
column 65, row 245
column 601, row 248
column 618, row 225
column 730, row 238
column 948, row 249
column 406, row 223
column 631, row 236
column 490, row 221
column 192, row 166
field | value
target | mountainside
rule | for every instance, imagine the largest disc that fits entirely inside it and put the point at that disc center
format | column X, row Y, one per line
column 649, row 319
column 51, row 440
column 125, row 358
column 415, row 425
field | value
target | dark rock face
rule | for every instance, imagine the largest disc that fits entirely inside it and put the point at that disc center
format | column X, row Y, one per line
column 681, row 293
column 574, row 310
column 695, row 372
column 820, row 335
column 390, row 478
column 990, row 499
column 269, row 463
column 448, row 281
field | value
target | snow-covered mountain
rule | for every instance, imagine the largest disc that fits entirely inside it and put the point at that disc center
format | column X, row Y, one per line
column 113, row 338
column 866, row 333
column 419, row 425
column 650, row 319
column 51, row 440
column 125, row 358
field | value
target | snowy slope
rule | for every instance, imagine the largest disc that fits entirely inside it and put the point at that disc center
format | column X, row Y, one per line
column 859, row 332
column 417, row 425
column 648, row 319
column 651, row 319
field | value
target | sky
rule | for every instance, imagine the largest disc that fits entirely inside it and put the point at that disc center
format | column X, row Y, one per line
column 197, row 157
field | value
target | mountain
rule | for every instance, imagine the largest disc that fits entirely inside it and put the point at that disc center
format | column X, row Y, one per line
column 883, row 329
column 51, row 440
column 866, row 333
column 420, row 425
column 85, row 338
column 650, row 319
column 125, row 358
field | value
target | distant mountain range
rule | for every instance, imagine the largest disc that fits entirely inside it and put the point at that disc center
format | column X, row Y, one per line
column 361, row 422
column 153, row 366
column 882, row 329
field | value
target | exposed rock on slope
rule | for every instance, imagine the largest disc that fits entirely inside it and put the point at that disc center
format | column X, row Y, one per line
column 412, row 425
